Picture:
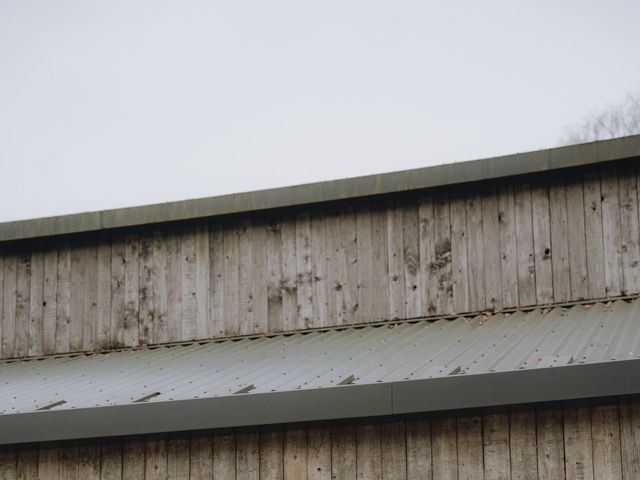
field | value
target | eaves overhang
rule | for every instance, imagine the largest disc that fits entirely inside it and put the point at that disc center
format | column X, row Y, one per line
column 539, row 355
column 351, row 188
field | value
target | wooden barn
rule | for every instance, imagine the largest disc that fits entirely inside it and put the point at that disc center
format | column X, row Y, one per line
column 478, row 320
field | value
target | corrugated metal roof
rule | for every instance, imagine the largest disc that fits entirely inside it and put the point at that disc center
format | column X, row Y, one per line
column 419, row 178
column 336, row 360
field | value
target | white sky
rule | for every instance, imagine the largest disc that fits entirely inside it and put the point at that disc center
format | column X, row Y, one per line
column 106, row 104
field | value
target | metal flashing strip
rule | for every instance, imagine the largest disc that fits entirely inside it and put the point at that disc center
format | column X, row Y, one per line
column 353, row 401
column 313, row 193
column 541, row 355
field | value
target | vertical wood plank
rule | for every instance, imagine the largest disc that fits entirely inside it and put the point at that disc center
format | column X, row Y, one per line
column 160, row 327
column 507, row 239
column 63, row 298
column 9, row 306
column 522, row 443
column 629, row 231
column 395, row 244
column 201, row 462
column 216, row 281
column 133, row 458
column 174, row 285
column 335, row 295
column 319, row 267
column 459, row 253
column 419, row 464
column 50, row 289
column 271, row 454
column 630, row 437
column 231, row 319
column 188, row 283
column 259, row 277
column 147, row 277
column 304, row 275
column 103, row 295
column 8, row 462
column 203, row 325
column 350, row 248
column 28, row 460
column 90, row 297
column 428, row 266
column 524, row 244
column 110, row 461
column 605, row 428
column 411, row 260
column 444, row 447
column 593, row 233
column 131, row 313
column 542, row 242
column 23, row 273
column 476, row 247
column 69, row 463
column 611, row 232
column 245, row 277
column 577, row 441
column 118, row 262
column 577, row 240
column 89, row 462
column 224, row 455
column 78, row 282
column 497, row 464
column 343, row 452
column 248, row 455
column 288, row 283
column 48, row 462
column 365, row 311
column 490, row 229
column 295, row 453
column 36, row 303
column 380, row 285
column 470, row 454
column 559, row 241
column 274, row 275
column 156, row 458
column 368, row 450
column 318, row 453
column 394, row 450
column 442, row 232
column 178, row 460
column 550, row 442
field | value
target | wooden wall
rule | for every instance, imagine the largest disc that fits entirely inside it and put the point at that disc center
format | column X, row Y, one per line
column 577, row 440
column 488, row 246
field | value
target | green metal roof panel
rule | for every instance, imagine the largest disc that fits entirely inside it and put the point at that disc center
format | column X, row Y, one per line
column 436, row 176
column 544, row 354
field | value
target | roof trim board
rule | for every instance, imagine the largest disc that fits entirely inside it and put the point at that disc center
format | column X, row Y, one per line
column 428, row 177
column 347, row 401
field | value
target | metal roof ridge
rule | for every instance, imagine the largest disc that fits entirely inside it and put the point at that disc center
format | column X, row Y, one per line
column 313, row 193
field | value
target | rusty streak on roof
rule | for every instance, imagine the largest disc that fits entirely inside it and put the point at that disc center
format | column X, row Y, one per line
column 313, row 193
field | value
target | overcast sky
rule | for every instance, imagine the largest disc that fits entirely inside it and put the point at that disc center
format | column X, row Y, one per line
column 107, row 104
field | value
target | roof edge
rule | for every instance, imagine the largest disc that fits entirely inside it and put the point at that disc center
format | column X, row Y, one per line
column 428, row 177
column 577, row 381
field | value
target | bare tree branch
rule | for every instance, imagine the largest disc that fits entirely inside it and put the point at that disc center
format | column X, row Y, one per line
column 616, row 121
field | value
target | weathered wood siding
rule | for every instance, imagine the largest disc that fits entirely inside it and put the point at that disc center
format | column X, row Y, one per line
column 576, row 440
column 494, row 245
